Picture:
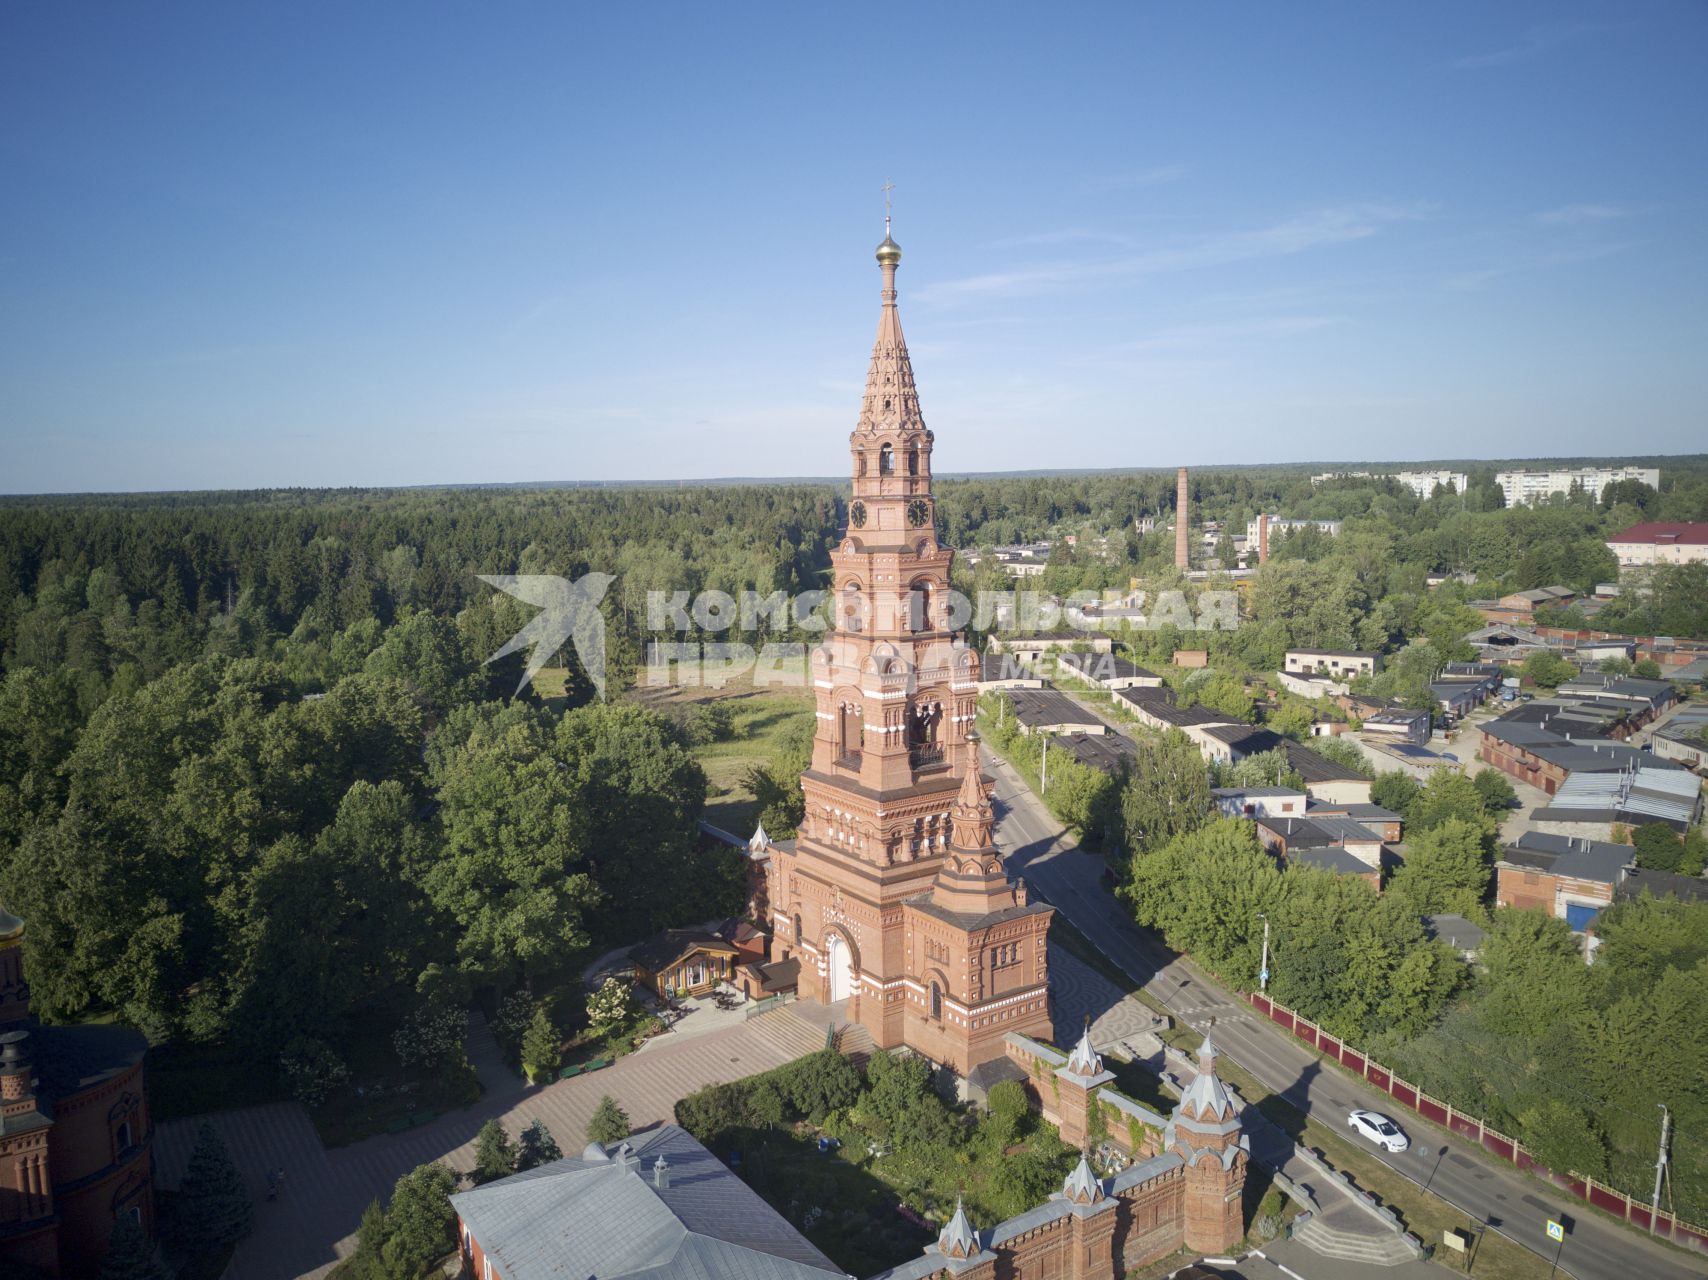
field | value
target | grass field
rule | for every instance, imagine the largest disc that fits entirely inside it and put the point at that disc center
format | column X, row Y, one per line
column 764, row 720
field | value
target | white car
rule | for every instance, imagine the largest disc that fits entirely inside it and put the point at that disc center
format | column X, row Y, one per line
column 1379, row 1129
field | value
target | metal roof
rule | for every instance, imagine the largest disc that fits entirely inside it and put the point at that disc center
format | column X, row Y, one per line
column 1330, row 858
column 1036, row 707
column 1579, row 860
column 609, row 1218
column 1666, row 795
column 1455, row 930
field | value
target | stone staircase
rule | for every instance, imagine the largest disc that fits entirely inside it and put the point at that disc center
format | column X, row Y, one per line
column 1374, row 1249
column 800, row 1029
column 790, row 1032
column 855, row 1042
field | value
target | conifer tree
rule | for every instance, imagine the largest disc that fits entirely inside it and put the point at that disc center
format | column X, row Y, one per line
column 131, row 1254
column 536, row 1147
column 494, row 1153
column 609, row 1123
column 214, row 1208
column 541, row 1054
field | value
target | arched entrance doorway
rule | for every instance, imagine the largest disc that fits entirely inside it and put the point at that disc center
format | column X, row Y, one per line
column 841, row 965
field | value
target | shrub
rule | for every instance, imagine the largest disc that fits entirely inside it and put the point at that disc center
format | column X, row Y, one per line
column 510, row 1023
column 610, row 1004
column 430, row 1035
column 311, row 1070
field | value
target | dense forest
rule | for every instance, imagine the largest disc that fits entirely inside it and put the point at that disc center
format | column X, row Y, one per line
column 257, row 786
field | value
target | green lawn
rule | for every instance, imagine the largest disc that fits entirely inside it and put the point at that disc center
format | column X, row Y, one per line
column 763, row 721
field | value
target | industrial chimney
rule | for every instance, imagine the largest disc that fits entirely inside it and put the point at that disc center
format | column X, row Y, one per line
column 1262, row 538
column 1182, row 512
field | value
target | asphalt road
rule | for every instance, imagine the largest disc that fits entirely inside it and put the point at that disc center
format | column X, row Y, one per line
column 1509, row 1202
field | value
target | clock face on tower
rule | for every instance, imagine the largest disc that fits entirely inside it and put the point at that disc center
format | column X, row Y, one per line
column 917, row 512
column 857, row 515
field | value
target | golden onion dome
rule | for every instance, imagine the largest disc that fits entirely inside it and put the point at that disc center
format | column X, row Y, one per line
column 889, row 252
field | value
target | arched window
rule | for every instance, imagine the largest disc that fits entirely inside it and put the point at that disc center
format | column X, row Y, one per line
column 937, row 1002
column 860, row 463
column 123, row 1137
column 919, row 607
column 850, row 731
column 886, row 461
column 913, row 461
column 797, row 926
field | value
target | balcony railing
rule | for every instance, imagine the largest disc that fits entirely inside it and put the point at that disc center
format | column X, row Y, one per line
column 927, row 756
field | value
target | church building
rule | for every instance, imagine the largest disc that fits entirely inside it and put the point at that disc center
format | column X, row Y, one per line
column 893, row 896
column 74, row 1130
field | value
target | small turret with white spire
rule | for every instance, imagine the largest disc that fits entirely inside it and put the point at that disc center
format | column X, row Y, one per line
column 958, row 1239
column 1083, row 1186
column 1084, row 1060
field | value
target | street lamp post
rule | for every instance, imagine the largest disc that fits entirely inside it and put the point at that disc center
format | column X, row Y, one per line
column 1660, row 1166
column 1263, row 969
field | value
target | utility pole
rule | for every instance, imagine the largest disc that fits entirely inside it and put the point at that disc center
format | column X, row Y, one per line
column 1263, row 971
column 1660, row 1165
column 1044, row 775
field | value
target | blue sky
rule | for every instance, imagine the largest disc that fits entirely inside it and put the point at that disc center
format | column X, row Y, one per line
column 321, row 243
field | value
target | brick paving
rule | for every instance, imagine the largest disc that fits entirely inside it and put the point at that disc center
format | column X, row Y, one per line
column 313, row 1222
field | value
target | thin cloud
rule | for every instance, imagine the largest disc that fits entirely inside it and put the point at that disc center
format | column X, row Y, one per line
column 1130, row 181
column 1535, row 41
column 1335, row 225
column 1186, row 336
column 1470, row 281
column 1069, row 236
column 1578, row 215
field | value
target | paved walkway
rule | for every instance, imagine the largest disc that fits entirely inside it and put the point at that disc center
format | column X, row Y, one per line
column 313, row 1222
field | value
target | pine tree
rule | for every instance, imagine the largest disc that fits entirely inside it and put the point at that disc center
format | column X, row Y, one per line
column 609, row 1123
column 494, row 1153
column 131, row 1254
column 214, row 1208
column 536, row 1147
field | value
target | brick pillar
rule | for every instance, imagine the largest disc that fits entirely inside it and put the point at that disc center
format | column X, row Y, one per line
column 1215, row 1219
column 1076, row 1095
column 1092, row 1242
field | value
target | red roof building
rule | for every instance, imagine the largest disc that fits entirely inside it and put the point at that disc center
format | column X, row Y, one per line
column 1660, row 542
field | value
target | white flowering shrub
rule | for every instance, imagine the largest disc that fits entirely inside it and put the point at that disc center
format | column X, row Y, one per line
column 610, row 1004
column 429, row 1036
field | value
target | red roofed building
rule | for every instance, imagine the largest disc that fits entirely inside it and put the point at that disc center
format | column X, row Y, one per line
column 1659, row 542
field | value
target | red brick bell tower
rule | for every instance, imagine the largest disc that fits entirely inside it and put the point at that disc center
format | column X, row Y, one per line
column 896, row 694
